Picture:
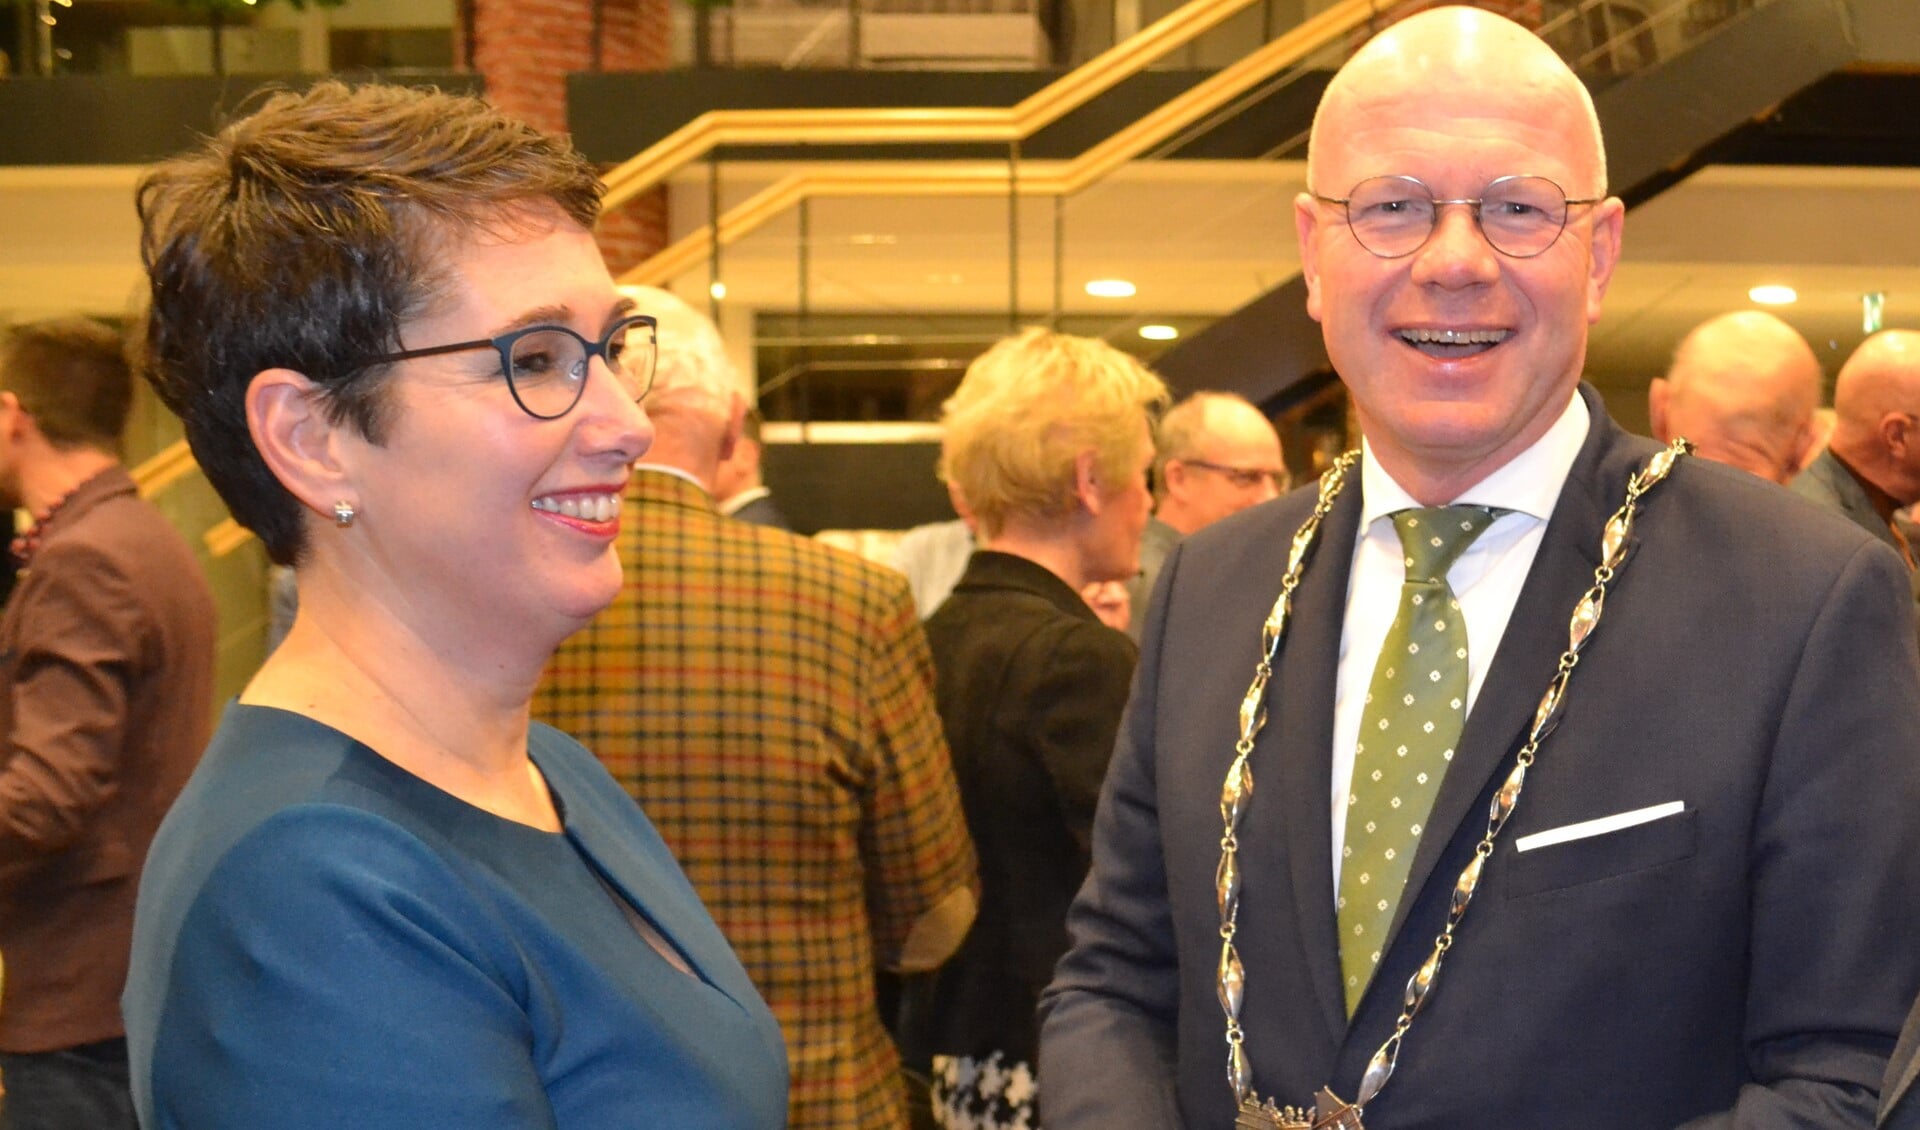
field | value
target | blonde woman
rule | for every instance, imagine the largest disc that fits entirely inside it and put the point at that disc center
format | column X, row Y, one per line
column 1048, row 440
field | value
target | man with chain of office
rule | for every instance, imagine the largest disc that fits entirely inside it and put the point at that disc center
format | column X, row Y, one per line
column 1522, row 772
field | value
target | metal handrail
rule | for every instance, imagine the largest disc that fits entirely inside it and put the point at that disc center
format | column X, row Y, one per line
column 994, row 178
column 951, row 125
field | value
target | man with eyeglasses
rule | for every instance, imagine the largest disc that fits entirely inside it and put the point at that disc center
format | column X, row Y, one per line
column 1523, row 774
column 1214, row 455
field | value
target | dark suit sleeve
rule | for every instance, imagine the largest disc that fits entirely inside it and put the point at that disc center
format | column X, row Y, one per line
column 1836, row 864
column 1107, row 1020
column 78, row 643
column 1073, row 684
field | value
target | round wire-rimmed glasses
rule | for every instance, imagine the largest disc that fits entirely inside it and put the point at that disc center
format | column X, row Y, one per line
column 546, row 366
column 1394, row 216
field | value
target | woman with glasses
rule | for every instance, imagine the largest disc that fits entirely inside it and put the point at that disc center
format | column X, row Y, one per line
column 386, row 899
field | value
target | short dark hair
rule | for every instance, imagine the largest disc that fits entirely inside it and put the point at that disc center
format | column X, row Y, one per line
column 302, row 237
column 71, row 376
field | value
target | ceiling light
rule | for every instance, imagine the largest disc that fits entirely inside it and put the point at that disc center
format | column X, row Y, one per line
column 1774, row 295
column 1159, row 333
column 1110, row 288
column 872, row 239
column 718, row 290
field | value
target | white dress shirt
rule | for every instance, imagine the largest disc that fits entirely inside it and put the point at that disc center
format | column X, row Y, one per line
column 1486, row 579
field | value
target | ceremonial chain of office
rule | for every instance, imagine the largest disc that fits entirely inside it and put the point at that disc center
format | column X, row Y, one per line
column 1329, row 1112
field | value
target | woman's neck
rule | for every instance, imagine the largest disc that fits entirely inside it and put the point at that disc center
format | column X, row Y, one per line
column 1057, row 553
column 454, row 716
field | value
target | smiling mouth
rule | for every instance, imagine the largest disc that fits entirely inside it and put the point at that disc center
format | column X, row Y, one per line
column 1450, row 344
column 586, row 507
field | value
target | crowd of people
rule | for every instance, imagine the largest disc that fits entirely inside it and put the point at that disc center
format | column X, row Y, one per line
column 1517, row 771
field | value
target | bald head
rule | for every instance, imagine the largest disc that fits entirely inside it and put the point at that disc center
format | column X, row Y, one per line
column 1743, row 387
column 696, row 403
column 1214, row 455
column 1442, row 107
column 1446, row 53
column 1876, row 403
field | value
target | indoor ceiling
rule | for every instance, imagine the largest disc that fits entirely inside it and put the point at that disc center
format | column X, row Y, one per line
column 1198, row 239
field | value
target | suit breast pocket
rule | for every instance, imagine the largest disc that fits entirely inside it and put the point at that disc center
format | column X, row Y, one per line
column 1609, row 855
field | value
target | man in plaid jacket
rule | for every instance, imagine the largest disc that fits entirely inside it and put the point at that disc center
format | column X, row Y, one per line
column 768, row 700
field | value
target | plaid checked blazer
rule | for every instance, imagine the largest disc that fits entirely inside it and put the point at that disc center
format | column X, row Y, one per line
column 769, row 702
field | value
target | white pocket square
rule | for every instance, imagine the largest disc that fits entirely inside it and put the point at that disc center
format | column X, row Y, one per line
column 1598, row 827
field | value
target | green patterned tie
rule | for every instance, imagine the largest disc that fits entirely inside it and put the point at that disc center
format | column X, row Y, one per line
column 1415, row 708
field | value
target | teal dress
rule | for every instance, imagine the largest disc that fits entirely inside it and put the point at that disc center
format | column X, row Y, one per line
column 324, row 940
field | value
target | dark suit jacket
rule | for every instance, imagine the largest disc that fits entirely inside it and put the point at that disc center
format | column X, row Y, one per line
column 1830, row 484
column 1744, row 963
column 106, row 660
column 769, row 701
column 1031, row 686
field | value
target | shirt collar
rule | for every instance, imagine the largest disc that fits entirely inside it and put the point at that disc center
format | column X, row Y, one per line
column 739, row 501
column 1529, row 483
column 676, row 472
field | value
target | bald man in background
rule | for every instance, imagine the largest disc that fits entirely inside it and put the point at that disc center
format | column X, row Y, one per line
column 1214, row 455
column 1744, row 388
column 1871, row 466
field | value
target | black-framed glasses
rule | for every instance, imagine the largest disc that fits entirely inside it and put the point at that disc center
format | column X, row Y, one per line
column 1393, row 217
column 546, row 366
column 1246, row 478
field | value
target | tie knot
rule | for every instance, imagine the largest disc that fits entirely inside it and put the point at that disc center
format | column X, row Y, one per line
column 1434, row 537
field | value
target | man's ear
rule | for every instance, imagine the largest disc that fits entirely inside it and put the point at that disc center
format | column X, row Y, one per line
column 1802, row 450
column 1609, row 224
column 1086, row 482
column 300, row 445
column 736, row 421
column 1173, row 478
column 1306, row 225
column 1897, row 434
column 1659, row 393
column 13, row 416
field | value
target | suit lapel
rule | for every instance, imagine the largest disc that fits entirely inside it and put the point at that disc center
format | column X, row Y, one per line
column 1293, row 751
column 1905, row 1073
column 1535, row 637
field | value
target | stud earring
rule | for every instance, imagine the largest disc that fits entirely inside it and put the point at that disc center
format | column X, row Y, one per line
column 343, row 514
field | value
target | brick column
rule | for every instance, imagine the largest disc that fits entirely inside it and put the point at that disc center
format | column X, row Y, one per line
column 526, row 49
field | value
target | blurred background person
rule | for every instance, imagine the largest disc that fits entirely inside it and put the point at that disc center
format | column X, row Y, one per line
column 1215, row 455
column 1048, row 440
column 107, row 660
column 1110, row 601
column 387, row 899
column 1871, row 467
column 1744, row 387
column 769, row 700
column 932, row 556
column 737, row 481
